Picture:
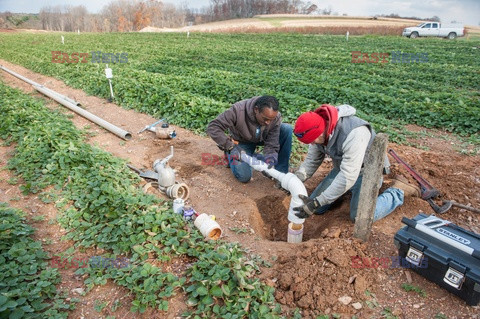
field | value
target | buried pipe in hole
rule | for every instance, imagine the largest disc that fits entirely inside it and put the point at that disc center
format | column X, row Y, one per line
column 291, row 183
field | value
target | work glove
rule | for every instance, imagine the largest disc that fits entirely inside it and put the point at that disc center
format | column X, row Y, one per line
column 236, row 150
column 301, row 175
column 270, row 160
column 235, row 153
column 308, row 207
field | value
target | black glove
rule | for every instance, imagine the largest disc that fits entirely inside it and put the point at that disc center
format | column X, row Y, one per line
column 236, row 151
column 270, row 160
column 264, row 173
column 309, row 206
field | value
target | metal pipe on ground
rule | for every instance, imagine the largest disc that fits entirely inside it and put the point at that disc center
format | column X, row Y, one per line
column 21, row 77
column 72, row 105
column 95, row 119
column 66, row 98
column 33, row 83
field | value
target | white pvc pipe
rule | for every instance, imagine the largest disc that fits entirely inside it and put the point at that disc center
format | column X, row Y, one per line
column 208, row 227
column 289, row 182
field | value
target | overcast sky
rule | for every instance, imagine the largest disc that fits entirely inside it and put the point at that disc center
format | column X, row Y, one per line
column 464, row 11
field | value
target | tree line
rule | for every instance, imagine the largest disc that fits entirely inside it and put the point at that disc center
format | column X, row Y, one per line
column 134, row 15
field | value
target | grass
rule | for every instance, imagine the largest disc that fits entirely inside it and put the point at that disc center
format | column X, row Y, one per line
column 409, row 287
column 39, row 218
column 239, row 230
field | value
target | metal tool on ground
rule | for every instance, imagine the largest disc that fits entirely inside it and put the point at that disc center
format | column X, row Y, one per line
column 165, row 178
column 148, row 127
column 428, row 192
column 458, row 205
column 144, row 174
column 163, row 132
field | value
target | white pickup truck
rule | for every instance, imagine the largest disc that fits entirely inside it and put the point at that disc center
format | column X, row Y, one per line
column 432, row 29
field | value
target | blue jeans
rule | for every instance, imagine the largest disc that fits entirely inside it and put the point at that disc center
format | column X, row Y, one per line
column 390, row 199
column 243, row 172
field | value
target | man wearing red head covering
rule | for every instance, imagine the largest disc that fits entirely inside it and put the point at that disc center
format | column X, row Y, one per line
column 338, row 133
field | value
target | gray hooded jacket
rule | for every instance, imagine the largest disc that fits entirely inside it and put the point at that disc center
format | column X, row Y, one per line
column 347, row 146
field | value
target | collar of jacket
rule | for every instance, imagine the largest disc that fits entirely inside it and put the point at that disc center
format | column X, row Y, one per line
column 249, row 109
column 250, row 112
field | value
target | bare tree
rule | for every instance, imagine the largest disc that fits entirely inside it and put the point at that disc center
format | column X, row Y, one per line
column 231, row 9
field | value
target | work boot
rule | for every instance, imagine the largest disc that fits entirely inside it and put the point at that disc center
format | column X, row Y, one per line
column 408, row 189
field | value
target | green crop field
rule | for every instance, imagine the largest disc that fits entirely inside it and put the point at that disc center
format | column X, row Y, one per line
column 190, row 80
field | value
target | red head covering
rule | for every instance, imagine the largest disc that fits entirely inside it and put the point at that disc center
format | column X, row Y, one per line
column 310, row 125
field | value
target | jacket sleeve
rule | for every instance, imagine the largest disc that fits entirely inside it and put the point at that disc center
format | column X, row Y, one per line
column 311, row 163
column 272, row 144
column 216, row 128
column 354, row 148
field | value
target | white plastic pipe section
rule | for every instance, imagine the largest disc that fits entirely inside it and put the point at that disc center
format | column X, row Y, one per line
column 289, row 182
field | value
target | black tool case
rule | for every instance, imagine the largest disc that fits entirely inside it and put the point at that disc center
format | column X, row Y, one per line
column 443, row 253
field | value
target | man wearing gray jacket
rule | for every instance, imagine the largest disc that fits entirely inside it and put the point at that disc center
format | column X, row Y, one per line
column 250, row 123
column 337, row 132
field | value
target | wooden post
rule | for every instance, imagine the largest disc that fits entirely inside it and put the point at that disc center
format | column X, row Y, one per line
column 372, row 177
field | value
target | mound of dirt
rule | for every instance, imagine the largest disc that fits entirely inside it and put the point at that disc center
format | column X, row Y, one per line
column 319, row 277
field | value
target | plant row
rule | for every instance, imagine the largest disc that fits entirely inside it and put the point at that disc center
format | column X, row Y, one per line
column 191, row 80
column 27, row 283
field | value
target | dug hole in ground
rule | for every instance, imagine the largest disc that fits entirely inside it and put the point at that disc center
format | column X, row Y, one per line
column 315, row 276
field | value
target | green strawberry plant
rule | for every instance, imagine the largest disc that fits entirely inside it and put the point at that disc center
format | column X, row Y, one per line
column 27, row 282
column 101, row 206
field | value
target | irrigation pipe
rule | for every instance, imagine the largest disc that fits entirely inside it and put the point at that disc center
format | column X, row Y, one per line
column 72, row 105
column 95, row 119
column 33, row 83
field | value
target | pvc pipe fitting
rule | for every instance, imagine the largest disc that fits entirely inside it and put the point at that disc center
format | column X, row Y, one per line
column 295, row 235
column 178, row 205
column 178, row 191
column 208, row 227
